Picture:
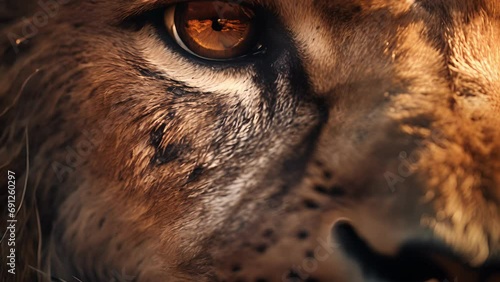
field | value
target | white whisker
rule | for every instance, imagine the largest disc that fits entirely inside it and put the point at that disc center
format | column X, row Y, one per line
column 27, row 170
column 19, row 94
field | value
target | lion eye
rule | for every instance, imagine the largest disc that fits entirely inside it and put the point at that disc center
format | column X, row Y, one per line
column 213, row 30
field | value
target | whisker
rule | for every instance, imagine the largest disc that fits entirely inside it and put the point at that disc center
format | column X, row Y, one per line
column 25, row 180
column 27, row 169
column 46, row 275
column 20, row 92
column 39, row 228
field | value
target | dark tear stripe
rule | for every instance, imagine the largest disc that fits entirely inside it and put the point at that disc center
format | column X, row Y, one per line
column 294, row 168
column 266, row 78
column 267, row 72
column 282, row 58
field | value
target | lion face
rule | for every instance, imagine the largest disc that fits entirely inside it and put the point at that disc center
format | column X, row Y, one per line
column 267, row 140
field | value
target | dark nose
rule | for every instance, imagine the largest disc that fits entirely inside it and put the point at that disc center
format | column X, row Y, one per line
column 413, row 261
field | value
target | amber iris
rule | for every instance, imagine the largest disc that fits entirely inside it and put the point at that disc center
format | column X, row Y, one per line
column 213, row 29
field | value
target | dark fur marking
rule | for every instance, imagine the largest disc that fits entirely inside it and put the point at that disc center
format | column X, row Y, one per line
column 138, row 244
column 195, row 174
column 294, row 167
column 334, row 191
column 262, row 248
column 73, row 236
column 147, row 72
column 236, row 268
column 321, row 189
column 156, row 136
column 310, row 204
column 171, row 115
column 292, row 274
column 302, row 235
column 101, row 222
column 327, row 175
column 282, row 59
column 276, row 199
column 168, row 154
column 178, row 91
column 319, row 164
column 267, row 233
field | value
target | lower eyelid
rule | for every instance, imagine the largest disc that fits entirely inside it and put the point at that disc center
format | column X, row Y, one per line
column 153, row 45
column 226, row 80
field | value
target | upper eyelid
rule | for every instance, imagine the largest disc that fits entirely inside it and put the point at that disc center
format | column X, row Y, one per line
column 137, row 8
column 140, row 7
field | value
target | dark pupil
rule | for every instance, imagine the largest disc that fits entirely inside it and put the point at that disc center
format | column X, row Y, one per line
column 216, row 25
